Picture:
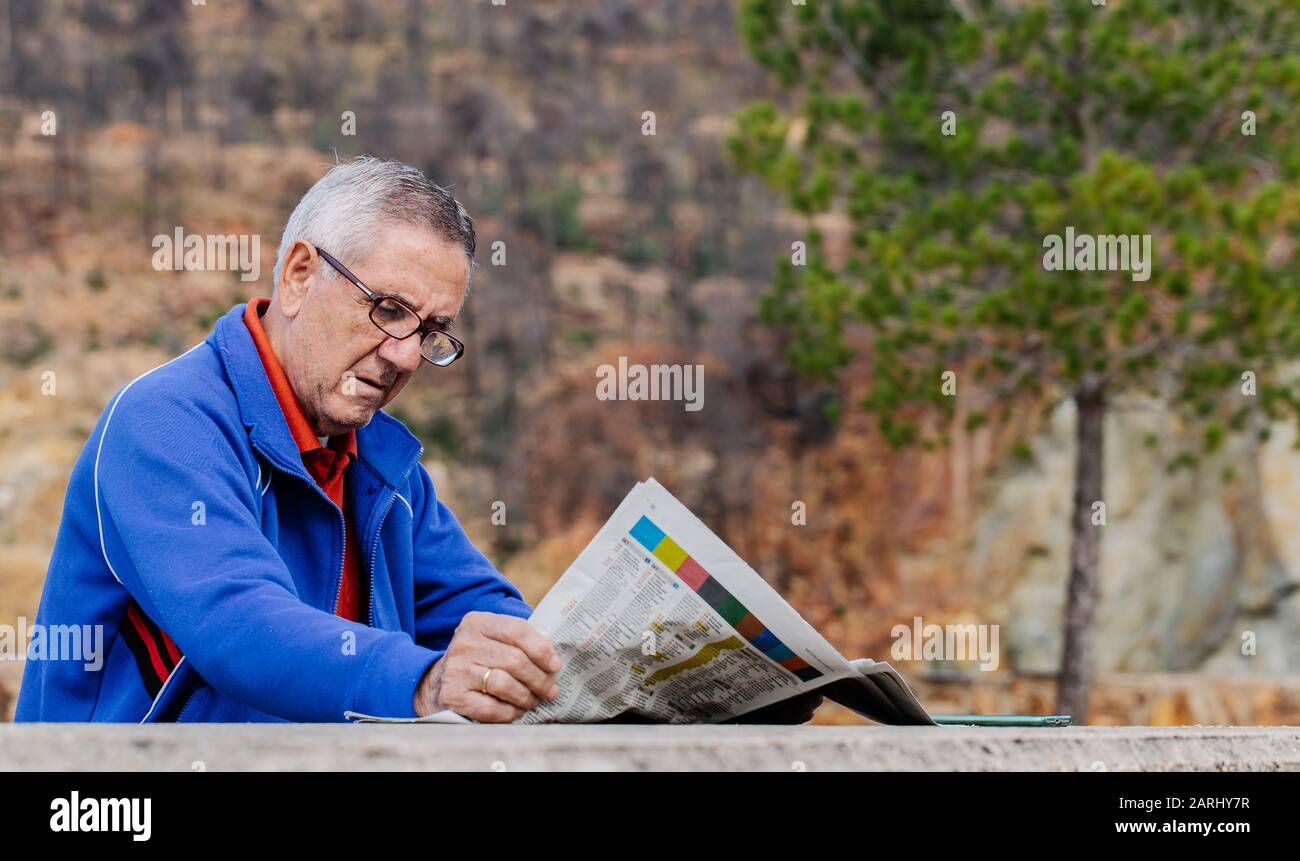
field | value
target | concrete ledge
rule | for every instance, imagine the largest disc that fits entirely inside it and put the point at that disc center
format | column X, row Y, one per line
column 328, row 747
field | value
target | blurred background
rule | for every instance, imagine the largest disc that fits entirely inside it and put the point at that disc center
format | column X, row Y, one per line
column 217, row 117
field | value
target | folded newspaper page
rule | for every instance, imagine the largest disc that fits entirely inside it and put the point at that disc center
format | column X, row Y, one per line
column 658, row 617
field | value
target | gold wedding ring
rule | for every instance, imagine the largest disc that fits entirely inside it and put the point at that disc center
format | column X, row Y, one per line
column 485, row 678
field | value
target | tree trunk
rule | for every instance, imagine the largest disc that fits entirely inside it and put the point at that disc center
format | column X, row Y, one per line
column 1085, row 555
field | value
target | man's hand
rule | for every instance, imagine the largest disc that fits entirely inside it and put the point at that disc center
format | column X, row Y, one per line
column 523, row 664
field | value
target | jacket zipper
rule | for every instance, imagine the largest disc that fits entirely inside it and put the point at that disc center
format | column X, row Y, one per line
column 343, row 560
column 374, row 545
column 186, row 707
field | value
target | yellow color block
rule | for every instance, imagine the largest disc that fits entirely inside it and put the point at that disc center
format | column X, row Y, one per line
column 670, row 553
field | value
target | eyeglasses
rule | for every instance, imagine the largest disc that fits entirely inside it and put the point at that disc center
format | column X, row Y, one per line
column 395, row 319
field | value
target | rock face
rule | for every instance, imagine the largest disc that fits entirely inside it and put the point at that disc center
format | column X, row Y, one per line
column 1199, row 567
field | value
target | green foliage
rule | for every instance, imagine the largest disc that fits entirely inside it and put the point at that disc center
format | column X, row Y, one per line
column 24, row 344
column 708, row 257
column 441, row 434
column 1120, row 119
column 553, row 214
column 640, row 249
column 581, row 339
column 438, row 434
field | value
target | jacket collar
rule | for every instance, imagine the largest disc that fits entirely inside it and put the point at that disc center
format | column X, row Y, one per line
column 385, row 445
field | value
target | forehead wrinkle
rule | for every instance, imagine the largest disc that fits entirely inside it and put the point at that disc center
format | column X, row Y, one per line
column 444, row 320
column 442, row 286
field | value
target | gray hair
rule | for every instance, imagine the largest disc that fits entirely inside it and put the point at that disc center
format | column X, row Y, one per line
column 342, row 211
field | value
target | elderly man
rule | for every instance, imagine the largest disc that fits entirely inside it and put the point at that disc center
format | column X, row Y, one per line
column 258, row 539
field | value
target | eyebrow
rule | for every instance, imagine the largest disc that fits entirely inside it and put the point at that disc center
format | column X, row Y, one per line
column 439, row 321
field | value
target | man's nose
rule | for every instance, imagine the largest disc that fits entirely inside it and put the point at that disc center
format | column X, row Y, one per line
column 404, row 353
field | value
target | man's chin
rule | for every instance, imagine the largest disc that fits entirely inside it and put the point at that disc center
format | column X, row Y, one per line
column 352, row 418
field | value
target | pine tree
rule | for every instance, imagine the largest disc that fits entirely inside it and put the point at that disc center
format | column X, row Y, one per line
column 965, row 141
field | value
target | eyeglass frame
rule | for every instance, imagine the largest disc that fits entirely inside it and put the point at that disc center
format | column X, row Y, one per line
column 375, row 298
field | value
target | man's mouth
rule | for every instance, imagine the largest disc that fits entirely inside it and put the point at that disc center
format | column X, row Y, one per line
column 373, row 384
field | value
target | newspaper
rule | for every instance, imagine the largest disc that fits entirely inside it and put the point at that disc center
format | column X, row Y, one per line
column 658, row 617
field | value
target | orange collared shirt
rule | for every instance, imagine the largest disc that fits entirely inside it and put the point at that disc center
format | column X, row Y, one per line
column 327, row 465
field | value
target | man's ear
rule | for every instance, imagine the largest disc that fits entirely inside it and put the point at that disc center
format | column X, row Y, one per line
column 299, row 265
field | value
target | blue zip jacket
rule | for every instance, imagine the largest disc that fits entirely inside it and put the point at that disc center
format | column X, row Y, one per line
column 190, row 508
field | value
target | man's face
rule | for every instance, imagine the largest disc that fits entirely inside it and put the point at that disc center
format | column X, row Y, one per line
column 342, row 367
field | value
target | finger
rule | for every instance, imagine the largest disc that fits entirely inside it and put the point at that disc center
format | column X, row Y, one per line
column 503, row 686
column 512, row 659
column 487, row 709
column 524, row 636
